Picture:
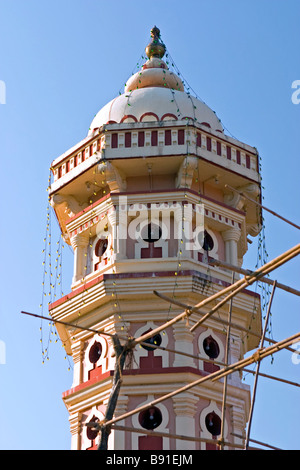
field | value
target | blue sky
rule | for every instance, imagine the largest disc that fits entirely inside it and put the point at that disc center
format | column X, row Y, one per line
column 61, row 61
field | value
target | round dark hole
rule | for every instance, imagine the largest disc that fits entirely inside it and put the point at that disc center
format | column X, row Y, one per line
column 151, row 233
column 90, row 432
column 208, row 242
column 101, row 247
column 151, row 418
column 211, row 347
column 155, row 340
column 95, row 352
column 213, row 423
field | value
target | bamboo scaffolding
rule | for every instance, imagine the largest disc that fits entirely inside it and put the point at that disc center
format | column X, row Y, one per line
column 236, row 287
column 91, row 330
column 197, row 311
column 173, row 436
column 257, row 356
column 258, row 367
column 218, row 320
column 233, row 288
column 95, row 425
column 149, row 345
column 263, row 207
column 231, row 267
column 248, row 280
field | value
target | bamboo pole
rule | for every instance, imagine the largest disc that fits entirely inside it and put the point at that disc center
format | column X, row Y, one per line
column 257, row 356
column 273, row 341
column 171, row 435
column 60, row 322
column 223, row 264
column 121, row 354
column 272, row 377
column 236, row 287
column 256, row 442
column 248, row 280
column 225, row 379
column 218, row 320
column 263, row 207
column 258, row 367
column 149, row 345
column 197, row 311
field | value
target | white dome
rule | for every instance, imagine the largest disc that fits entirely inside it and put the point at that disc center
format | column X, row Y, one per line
column 155, row 104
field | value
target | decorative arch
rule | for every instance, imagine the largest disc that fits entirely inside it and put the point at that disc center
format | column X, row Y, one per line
column 169, row 117
column 204, row 432
column 202, row 254
column 209, row 333
column 141, row 352
column 136, row 438
column 91, row 361
column 149, row 117
column 186, row 118
column 129, row 118
column 87, row 433
column 101, row 249
column 138, row 225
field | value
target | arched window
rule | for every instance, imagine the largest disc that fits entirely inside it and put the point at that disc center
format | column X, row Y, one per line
column 100, row 251
column 151, row 233
column 95, row 352
column 154, row 340
column 213, row 423
column 211, row 347
column 151, row 361
column 208, row 242
column 91, row 432
column 101, row 247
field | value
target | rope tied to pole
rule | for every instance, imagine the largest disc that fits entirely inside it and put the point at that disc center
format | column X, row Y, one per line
column 257, row 355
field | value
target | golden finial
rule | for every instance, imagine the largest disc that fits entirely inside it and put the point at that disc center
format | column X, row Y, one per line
column 155, row 48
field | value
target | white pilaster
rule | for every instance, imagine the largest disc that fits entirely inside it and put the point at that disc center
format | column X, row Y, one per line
column 183, row 343
column 185, row 406
column 231, row 238
column 77, row 356
column 75, row 428
column 79, row 243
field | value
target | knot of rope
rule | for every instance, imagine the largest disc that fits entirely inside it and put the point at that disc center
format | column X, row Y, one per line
column 256, row 356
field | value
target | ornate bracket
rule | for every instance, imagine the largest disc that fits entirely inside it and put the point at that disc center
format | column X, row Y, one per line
column 186, row 172
column 115, row 180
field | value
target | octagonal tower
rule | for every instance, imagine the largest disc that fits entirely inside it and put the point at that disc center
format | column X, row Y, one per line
column 143, row 201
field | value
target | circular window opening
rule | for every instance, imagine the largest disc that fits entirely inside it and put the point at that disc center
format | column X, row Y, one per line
column 95, row 352
column 154, row 340
column 151, row 418
column 151, row 233
column 90, row 432
column 101, row 247
column 213, row 423
column 211, row 347
column 208, row 242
